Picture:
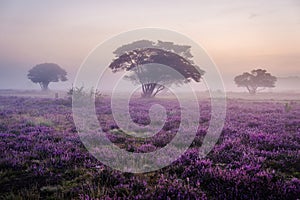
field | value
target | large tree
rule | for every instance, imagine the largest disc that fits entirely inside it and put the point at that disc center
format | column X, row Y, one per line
column 155, row 65
column 257, row 78
column 45, row 73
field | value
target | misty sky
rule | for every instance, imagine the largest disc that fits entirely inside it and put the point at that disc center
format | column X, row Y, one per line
column 238, row 35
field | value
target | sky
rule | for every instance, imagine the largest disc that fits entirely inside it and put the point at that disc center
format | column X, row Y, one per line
column 238, row 35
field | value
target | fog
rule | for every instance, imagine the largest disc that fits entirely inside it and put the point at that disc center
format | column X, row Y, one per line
column 238, row 36
column 16, row 79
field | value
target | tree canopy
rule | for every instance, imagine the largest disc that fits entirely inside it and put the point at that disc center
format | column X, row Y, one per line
column 257, row 78
column 154, row 65
column 45, row 73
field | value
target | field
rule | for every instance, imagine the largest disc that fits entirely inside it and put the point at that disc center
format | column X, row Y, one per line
column 256, row 157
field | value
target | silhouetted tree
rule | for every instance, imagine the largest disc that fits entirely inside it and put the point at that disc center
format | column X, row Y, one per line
column 45, row 73
column 148, row 60
column 258, row 78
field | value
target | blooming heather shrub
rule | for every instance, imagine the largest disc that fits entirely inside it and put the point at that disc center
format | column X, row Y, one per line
column 175, row 188
column 146, row 148
column 256, row 157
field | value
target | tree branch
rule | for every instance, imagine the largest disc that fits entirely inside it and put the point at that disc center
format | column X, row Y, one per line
column 261, row 89
column 160, row 88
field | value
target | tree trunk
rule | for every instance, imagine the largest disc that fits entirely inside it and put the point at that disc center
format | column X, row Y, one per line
column 151, row 89
column 44, row 86
column 148, row 89
column 252, row 90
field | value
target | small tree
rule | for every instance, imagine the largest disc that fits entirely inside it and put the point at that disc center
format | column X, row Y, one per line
column 45, row 73
column 258, row 78
column 147, row 61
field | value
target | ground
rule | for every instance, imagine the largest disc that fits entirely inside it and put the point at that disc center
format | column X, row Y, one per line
column 256, row 157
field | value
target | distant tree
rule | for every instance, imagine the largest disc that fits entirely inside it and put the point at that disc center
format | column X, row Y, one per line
column 258, row 78
column 45, row 73
column 147, row 61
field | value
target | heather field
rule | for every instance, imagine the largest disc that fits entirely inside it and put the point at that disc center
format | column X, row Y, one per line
column 256, row 157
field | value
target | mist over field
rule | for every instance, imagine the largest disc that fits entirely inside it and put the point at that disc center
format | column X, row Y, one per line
column 238, row 36
column 283, row 84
